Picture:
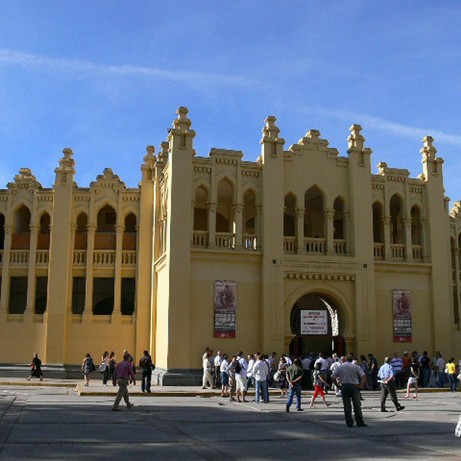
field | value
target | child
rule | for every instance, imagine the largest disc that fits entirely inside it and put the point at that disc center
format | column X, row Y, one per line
column 319, row 381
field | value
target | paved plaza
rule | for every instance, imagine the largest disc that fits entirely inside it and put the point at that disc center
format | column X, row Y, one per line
column 45, row 422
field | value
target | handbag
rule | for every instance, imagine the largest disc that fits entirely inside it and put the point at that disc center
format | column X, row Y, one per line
column 277, row 376
column 102, row 367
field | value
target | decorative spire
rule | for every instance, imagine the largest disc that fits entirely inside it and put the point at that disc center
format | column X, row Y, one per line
column 270, row 131
column 428, row 150
column 355, row 139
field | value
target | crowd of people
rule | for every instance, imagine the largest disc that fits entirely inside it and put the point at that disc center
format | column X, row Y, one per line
column 345, row 376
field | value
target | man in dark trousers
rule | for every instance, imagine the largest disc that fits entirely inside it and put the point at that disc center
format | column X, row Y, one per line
column 387, row 381
column 350, row 377
column 147, row 366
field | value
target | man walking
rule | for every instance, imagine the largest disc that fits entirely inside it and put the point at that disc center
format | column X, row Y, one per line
column 386, row 376
column 124, row 373
column 146, row 364
column 350, row 377
column 294, row 377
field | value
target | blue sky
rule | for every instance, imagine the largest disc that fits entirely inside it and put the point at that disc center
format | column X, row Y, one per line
column 105, row 78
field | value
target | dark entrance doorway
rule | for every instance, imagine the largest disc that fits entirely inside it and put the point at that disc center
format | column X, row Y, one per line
column 315, row 323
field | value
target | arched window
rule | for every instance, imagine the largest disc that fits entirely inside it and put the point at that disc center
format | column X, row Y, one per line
column 249, row 213
column 201, row 209
column 289, row 215
column 314, row 223
column 22, row 221
column 43, row 242
column 378, row 225
column 225, row 212
column 2, row 232
column 397, row 231
column 105, row 238
column 81, row 232
column 21, row 237
column 339, row 218
column 129, row 235
column 416, row 226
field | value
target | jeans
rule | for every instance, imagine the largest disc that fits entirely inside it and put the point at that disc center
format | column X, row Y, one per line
column 146, row 380
column 261, row 388
column 295, row 389
column 452, row 380
column 440, row 379
column 426, row 375
column 350, row 392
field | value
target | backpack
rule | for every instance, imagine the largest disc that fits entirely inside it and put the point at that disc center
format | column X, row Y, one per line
column 238, row 367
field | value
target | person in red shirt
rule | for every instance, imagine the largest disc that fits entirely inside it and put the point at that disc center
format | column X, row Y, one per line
column 124, row 373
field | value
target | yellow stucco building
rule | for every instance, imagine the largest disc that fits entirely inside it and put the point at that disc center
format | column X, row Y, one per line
column 302, row 250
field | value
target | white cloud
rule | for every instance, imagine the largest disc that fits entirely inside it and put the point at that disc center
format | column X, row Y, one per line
column 77, row 66
column 391, row 127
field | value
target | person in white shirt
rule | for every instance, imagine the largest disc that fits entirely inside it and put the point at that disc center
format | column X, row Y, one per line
column 207, row 379
column 217, row 372
column 261, row 374
column 224, row 367
column 241, row 377
column 250, row 370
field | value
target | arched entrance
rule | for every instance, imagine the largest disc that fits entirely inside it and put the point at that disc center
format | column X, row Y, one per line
column 315, row 322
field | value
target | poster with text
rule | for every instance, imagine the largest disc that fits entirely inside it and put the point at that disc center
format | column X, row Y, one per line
column 225, row 307
column 314, row 322
column 401, row 310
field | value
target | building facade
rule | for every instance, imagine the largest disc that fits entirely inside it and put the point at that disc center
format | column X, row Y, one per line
column 302, row 250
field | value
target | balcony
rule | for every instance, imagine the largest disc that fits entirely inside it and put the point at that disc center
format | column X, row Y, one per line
column 315, row 245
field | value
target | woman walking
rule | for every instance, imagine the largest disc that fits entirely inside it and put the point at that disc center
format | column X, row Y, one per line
column 87, row 367
column 36, row 368
column 105, row 365
column 413, row 379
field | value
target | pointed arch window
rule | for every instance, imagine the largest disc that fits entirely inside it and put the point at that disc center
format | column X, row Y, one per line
column 225, row 223
column 397, row 230
column 378, row 225
column 339, row 219
column 289, row 215
column 130, row 233
column 314, row 222
column 105, row 237
column 43, row 242
column 81, row 232
column 201, row 209
column 21, row 236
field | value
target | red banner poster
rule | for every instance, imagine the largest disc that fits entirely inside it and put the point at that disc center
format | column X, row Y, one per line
column 225, row 306
column 401, row 309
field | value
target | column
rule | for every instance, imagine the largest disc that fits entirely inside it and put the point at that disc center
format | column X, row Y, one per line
column 31, row 281
column 116, row 313
column 328, row 216
column 88, row 311
column 4, row 301
column 212, row 207
column 387, row 237
column 238, row 234
column 300, row 231
column 347, row 236
column 408, row 242
column 258, row 209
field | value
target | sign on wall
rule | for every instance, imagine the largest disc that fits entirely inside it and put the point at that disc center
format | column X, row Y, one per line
column 314, row 322
column 225, row 306
column 401, row 310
